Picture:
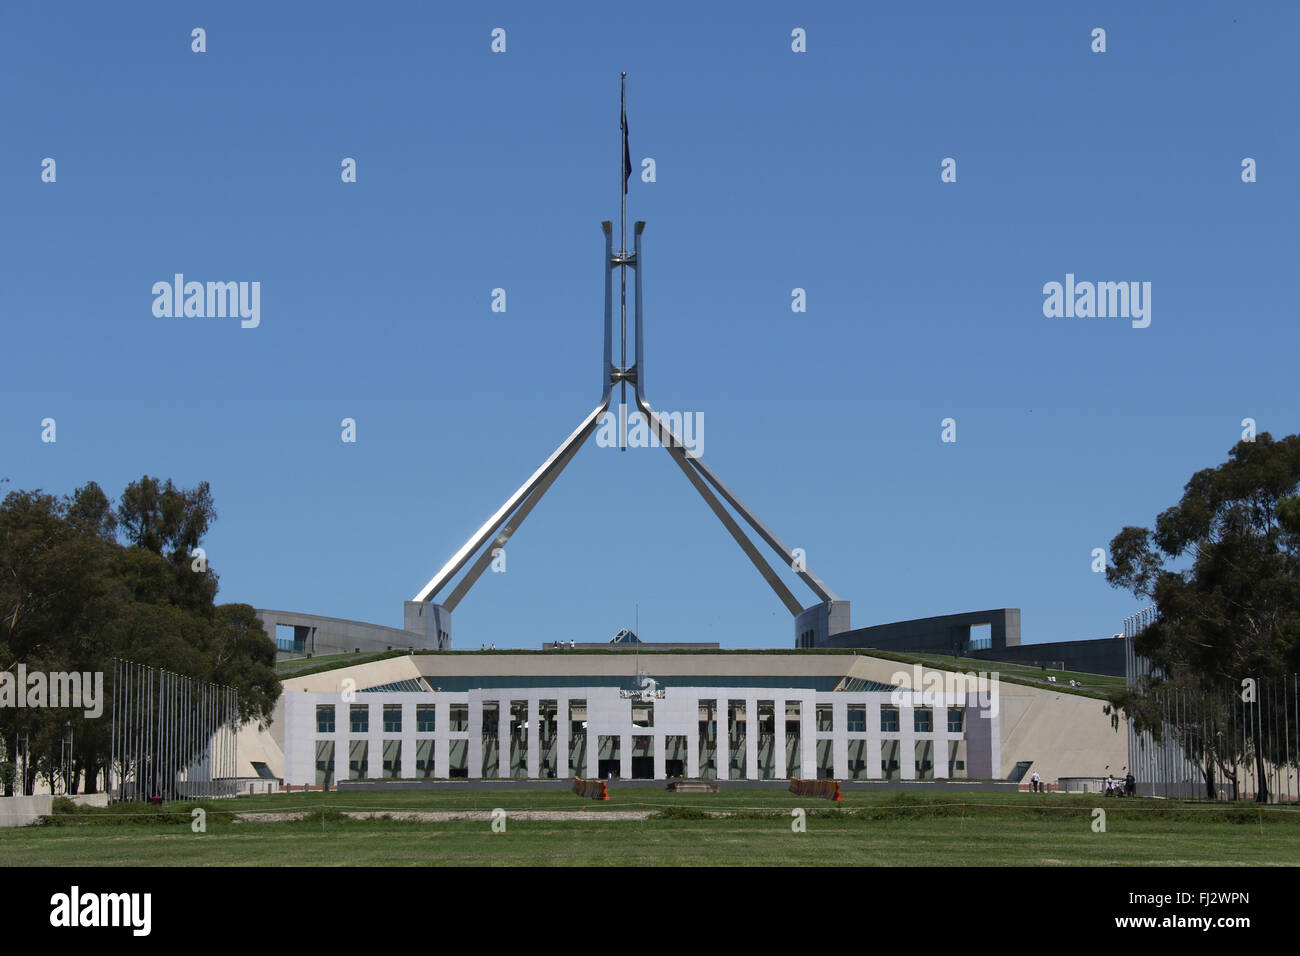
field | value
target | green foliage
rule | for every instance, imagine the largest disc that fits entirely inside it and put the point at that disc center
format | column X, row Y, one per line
column 1223, row 568
column 67, row 813
column 73, row 596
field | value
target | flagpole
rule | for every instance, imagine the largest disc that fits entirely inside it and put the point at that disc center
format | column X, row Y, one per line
column 622, row 254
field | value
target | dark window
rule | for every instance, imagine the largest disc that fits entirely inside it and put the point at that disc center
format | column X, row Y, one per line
column 392, row 718
column 857, row 718
column 360, row 714
column 424, row 718
column 889, row 720
column 923, row 720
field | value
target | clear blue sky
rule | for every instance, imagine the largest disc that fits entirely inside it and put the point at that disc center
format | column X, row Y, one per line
column 775, row 170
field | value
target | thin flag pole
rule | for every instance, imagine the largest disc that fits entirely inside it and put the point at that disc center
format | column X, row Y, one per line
column 624, row 172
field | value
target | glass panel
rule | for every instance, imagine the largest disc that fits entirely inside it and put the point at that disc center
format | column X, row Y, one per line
column 358, row 759
column 459, row 717
column 708, row 742
column 923, row 720
column 888, row 720
column 392, row 758
column 424, row 759
column 857, row 718
column 491, row 768
column 858, row 769
column 825, row 759
column 548, row 729
column 957, row 758
column 956, row 720
column 793, row 745
column 360, row 718
column 324, row 718
column 889, row 768
column 578, row 739
column 519, row 739
column 736, row 756
column 825, row 718
column 766, row 739
column 458, row 758
column 425, row 718
column 325, row 763
column 392, row 718
column 925, row 760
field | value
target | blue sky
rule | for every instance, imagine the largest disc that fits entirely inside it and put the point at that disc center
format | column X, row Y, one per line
column 775, row 170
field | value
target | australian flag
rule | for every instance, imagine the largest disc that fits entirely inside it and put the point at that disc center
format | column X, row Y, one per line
column 627, row 157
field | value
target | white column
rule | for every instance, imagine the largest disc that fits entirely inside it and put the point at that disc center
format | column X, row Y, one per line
column 873, row 739
column 778, row 722
column 693, row 741
column 375, row 738
column 442, row 755
column 808, row 737
column 474, row 752
column 562, row 741
column 503, row 738
column 907, row 746
column 751, row 738
column 341, row 728
column 723, row 738
column 407, row 769
column 941, row 768
column 840, row 747
column 533, row 750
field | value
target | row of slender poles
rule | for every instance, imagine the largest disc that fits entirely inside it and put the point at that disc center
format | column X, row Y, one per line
column 1248, row 730
column 173, row 737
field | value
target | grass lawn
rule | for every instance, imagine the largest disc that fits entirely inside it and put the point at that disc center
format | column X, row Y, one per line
column 874, row 829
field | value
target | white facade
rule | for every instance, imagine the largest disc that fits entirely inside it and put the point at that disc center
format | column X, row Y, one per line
column 677, row 714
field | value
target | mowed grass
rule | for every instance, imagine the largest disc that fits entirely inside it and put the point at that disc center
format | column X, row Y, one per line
column 870, row 829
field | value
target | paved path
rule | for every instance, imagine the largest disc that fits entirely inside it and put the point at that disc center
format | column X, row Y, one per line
column 438, row 816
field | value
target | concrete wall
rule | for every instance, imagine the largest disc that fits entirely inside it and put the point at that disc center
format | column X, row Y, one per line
column 334, row 635
column 638, row 648
column 1065, row 735
column 24, row 811
column 947, row 633
column 815, row 626
column 1100, row 656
